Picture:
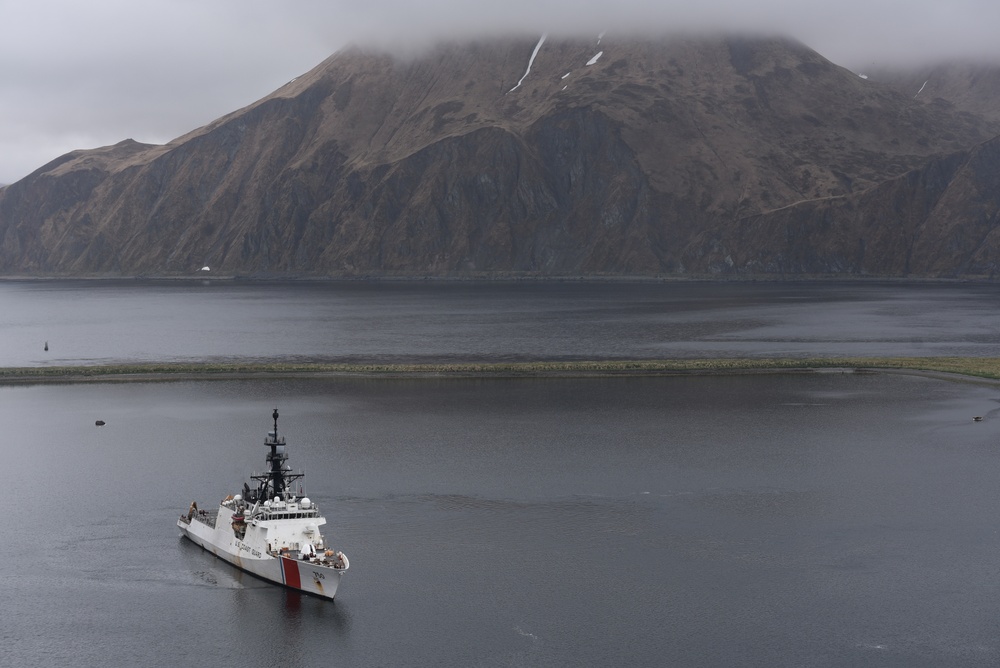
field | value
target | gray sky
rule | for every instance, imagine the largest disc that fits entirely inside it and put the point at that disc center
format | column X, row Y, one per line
column 86, row 74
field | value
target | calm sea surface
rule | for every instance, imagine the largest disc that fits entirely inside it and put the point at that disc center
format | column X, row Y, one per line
column 92, row 322
column 784, row 520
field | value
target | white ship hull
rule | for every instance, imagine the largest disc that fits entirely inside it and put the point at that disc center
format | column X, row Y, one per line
column 269, row 530
column 252, row 556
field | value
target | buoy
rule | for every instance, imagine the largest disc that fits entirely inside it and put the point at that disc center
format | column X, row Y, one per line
column 100, row 423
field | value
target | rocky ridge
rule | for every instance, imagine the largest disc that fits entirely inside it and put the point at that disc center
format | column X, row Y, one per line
column 676, row 156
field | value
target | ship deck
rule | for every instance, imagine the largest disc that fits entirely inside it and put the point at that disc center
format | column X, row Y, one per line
column 205, row 517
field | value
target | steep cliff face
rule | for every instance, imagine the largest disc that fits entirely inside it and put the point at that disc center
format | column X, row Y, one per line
column 678, row 155
column 941, row 220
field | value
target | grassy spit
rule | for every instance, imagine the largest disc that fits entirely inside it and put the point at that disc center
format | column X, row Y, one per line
column 981, row 367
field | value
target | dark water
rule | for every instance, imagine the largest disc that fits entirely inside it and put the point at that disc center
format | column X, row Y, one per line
column 89, row 322
column 789, row 520
column 821, row 520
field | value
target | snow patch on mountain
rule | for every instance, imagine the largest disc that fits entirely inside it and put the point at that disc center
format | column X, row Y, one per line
column 595, row 58
column 530, row 61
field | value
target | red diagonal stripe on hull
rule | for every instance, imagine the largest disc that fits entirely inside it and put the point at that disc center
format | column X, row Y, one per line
column 290, row 571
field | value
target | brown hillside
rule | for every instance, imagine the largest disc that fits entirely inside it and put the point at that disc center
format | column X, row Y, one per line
column 642, row 162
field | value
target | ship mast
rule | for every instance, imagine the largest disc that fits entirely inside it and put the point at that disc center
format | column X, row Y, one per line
column 276, row 458
column 276, row 481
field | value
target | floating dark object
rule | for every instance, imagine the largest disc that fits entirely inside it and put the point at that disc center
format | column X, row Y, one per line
column 100, row 423
column 46, row 345
column 978, row 418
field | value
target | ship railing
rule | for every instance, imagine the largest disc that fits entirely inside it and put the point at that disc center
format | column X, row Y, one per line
column 205, row 517
column 324, row 557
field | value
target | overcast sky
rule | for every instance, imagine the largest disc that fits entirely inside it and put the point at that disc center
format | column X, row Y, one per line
column 86, row 74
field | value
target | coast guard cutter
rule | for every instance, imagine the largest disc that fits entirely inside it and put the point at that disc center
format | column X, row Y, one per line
column 269, row 531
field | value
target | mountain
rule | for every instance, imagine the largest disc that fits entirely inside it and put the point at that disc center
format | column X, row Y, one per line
column 966, row 86
column 678, row 155
column 942, row 220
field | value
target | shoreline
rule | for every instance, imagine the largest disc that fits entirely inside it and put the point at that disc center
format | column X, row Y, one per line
column 970, row 369
column 504, row 277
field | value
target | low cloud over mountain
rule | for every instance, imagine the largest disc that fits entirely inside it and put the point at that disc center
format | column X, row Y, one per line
column 668, row 156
